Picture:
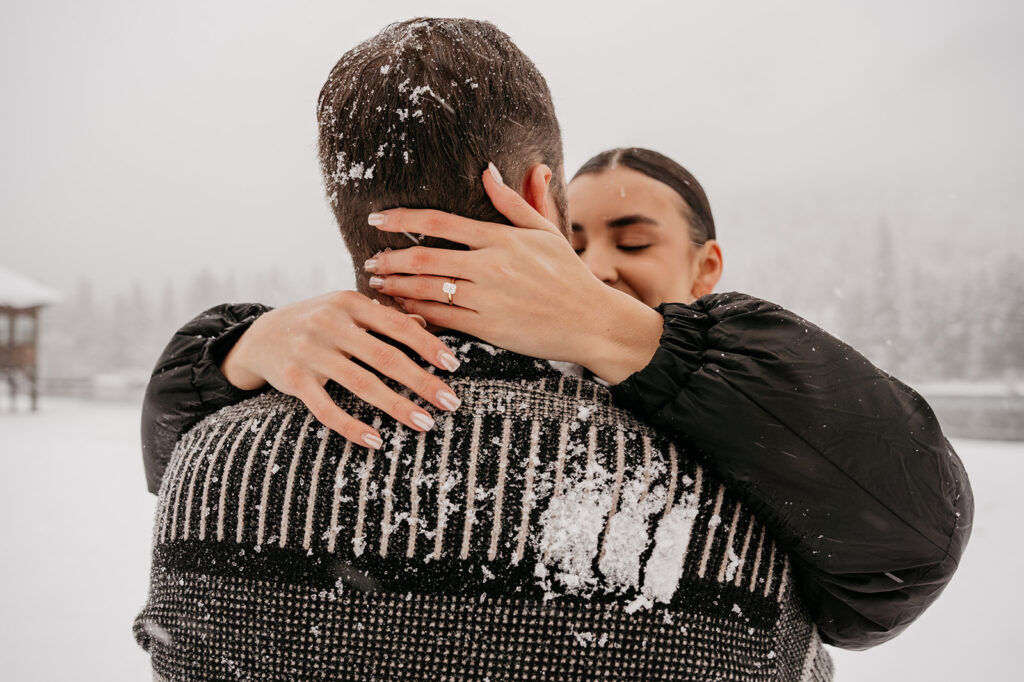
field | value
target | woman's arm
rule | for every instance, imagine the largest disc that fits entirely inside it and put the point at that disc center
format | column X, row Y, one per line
column 232, row 351
column 847, row 464
column 187, row 385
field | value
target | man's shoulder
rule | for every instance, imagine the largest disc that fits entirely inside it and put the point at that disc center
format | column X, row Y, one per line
column 490, row 381
column 252, row 411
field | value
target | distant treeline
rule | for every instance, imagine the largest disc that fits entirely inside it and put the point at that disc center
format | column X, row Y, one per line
column 909, row 313
column 124, row 332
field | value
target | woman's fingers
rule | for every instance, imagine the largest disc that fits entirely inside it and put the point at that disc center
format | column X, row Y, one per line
column 511, row 205
column 473, row 233
column 421, row 260
column 426, row 289
column 297, row 347
column 406, row 330
column 444, row 315
column 395, row 364
column 327, row 412
column 368, row 387
column 466, row 265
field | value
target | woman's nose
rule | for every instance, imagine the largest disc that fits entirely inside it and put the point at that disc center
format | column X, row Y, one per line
column 601, row 261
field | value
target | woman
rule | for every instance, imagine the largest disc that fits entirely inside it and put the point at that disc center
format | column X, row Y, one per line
column 847, row 465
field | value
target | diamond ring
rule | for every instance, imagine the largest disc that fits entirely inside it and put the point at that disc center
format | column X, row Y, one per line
column 449, row 288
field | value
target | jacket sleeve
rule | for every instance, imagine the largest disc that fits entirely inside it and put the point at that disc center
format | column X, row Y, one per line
column 846, row 464
column 187, row 385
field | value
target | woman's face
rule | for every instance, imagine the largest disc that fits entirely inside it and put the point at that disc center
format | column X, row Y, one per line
column 633, row 233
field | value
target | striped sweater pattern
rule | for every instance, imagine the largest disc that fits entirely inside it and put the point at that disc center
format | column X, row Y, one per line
column 538, row 532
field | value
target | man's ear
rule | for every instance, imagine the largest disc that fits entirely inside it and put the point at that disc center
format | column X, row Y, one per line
column 708, row 267
column 536, row 184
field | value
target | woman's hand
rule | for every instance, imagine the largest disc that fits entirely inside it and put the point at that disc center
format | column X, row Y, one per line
column 520, row 287
column 298, row 347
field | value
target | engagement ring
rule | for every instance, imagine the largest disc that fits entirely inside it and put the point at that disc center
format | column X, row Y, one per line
column 449, row 288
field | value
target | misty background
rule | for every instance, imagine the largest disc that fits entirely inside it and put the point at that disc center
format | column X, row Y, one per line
column 863, row 160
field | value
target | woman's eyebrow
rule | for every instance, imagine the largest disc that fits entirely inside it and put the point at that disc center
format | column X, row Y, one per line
column 633, row 219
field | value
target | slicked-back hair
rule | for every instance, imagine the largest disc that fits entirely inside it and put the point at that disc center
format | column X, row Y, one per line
column 412, row 116
column 663, row 169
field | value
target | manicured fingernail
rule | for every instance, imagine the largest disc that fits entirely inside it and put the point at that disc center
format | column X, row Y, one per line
column 420, row 320
column 423, row 420
column 376, row 282
column 370, row 265
column 449, row 362
column 448, row 400
column 372, row 441
column 494, row 174
column 377, row 219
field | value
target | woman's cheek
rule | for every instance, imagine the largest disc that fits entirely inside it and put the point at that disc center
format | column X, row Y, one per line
column 642, row 283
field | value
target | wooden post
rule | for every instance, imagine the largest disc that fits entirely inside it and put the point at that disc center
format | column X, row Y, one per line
column 33, row 366
column 9, row 370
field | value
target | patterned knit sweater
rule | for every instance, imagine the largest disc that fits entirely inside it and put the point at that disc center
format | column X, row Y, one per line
column 537, row 533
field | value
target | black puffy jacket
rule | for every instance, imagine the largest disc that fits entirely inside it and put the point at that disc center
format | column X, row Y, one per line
column 846, row 464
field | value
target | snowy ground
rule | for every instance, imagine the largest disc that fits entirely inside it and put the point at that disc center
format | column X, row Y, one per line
column 74, row 564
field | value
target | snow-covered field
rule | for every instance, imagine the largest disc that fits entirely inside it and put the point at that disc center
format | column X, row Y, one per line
column 76, row 521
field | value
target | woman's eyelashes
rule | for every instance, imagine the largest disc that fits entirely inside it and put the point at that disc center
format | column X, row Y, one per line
column 628, row 248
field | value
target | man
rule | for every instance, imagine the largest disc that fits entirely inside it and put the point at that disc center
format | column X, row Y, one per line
column 536, row 533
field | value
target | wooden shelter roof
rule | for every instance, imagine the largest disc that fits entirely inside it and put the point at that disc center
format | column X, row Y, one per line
column 18, row 291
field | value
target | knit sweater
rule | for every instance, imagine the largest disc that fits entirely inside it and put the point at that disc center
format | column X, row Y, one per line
column 538, row 532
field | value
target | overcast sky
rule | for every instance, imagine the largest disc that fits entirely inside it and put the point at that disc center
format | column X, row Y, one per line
column 145, row 141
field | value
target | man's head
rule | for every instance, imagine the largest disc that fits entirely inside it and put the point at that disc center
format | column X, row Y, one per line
column 412, row 116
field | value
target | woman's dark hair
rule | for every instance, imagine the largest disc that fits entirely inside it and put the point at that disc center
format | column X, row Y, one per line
column 663, row 169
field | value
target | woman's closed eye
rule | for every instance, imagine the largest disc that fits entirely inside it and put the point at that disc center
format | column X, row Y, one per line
column 628, row 248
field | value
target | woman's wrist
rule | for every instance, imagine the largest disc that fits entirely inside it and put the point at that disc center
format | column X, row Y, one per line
column 235, row 366
column 623, row 337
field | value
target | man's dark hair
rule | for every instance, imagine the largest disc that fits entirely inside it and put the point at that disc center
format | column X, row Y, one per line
column 412, row 116
column 663, row 169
